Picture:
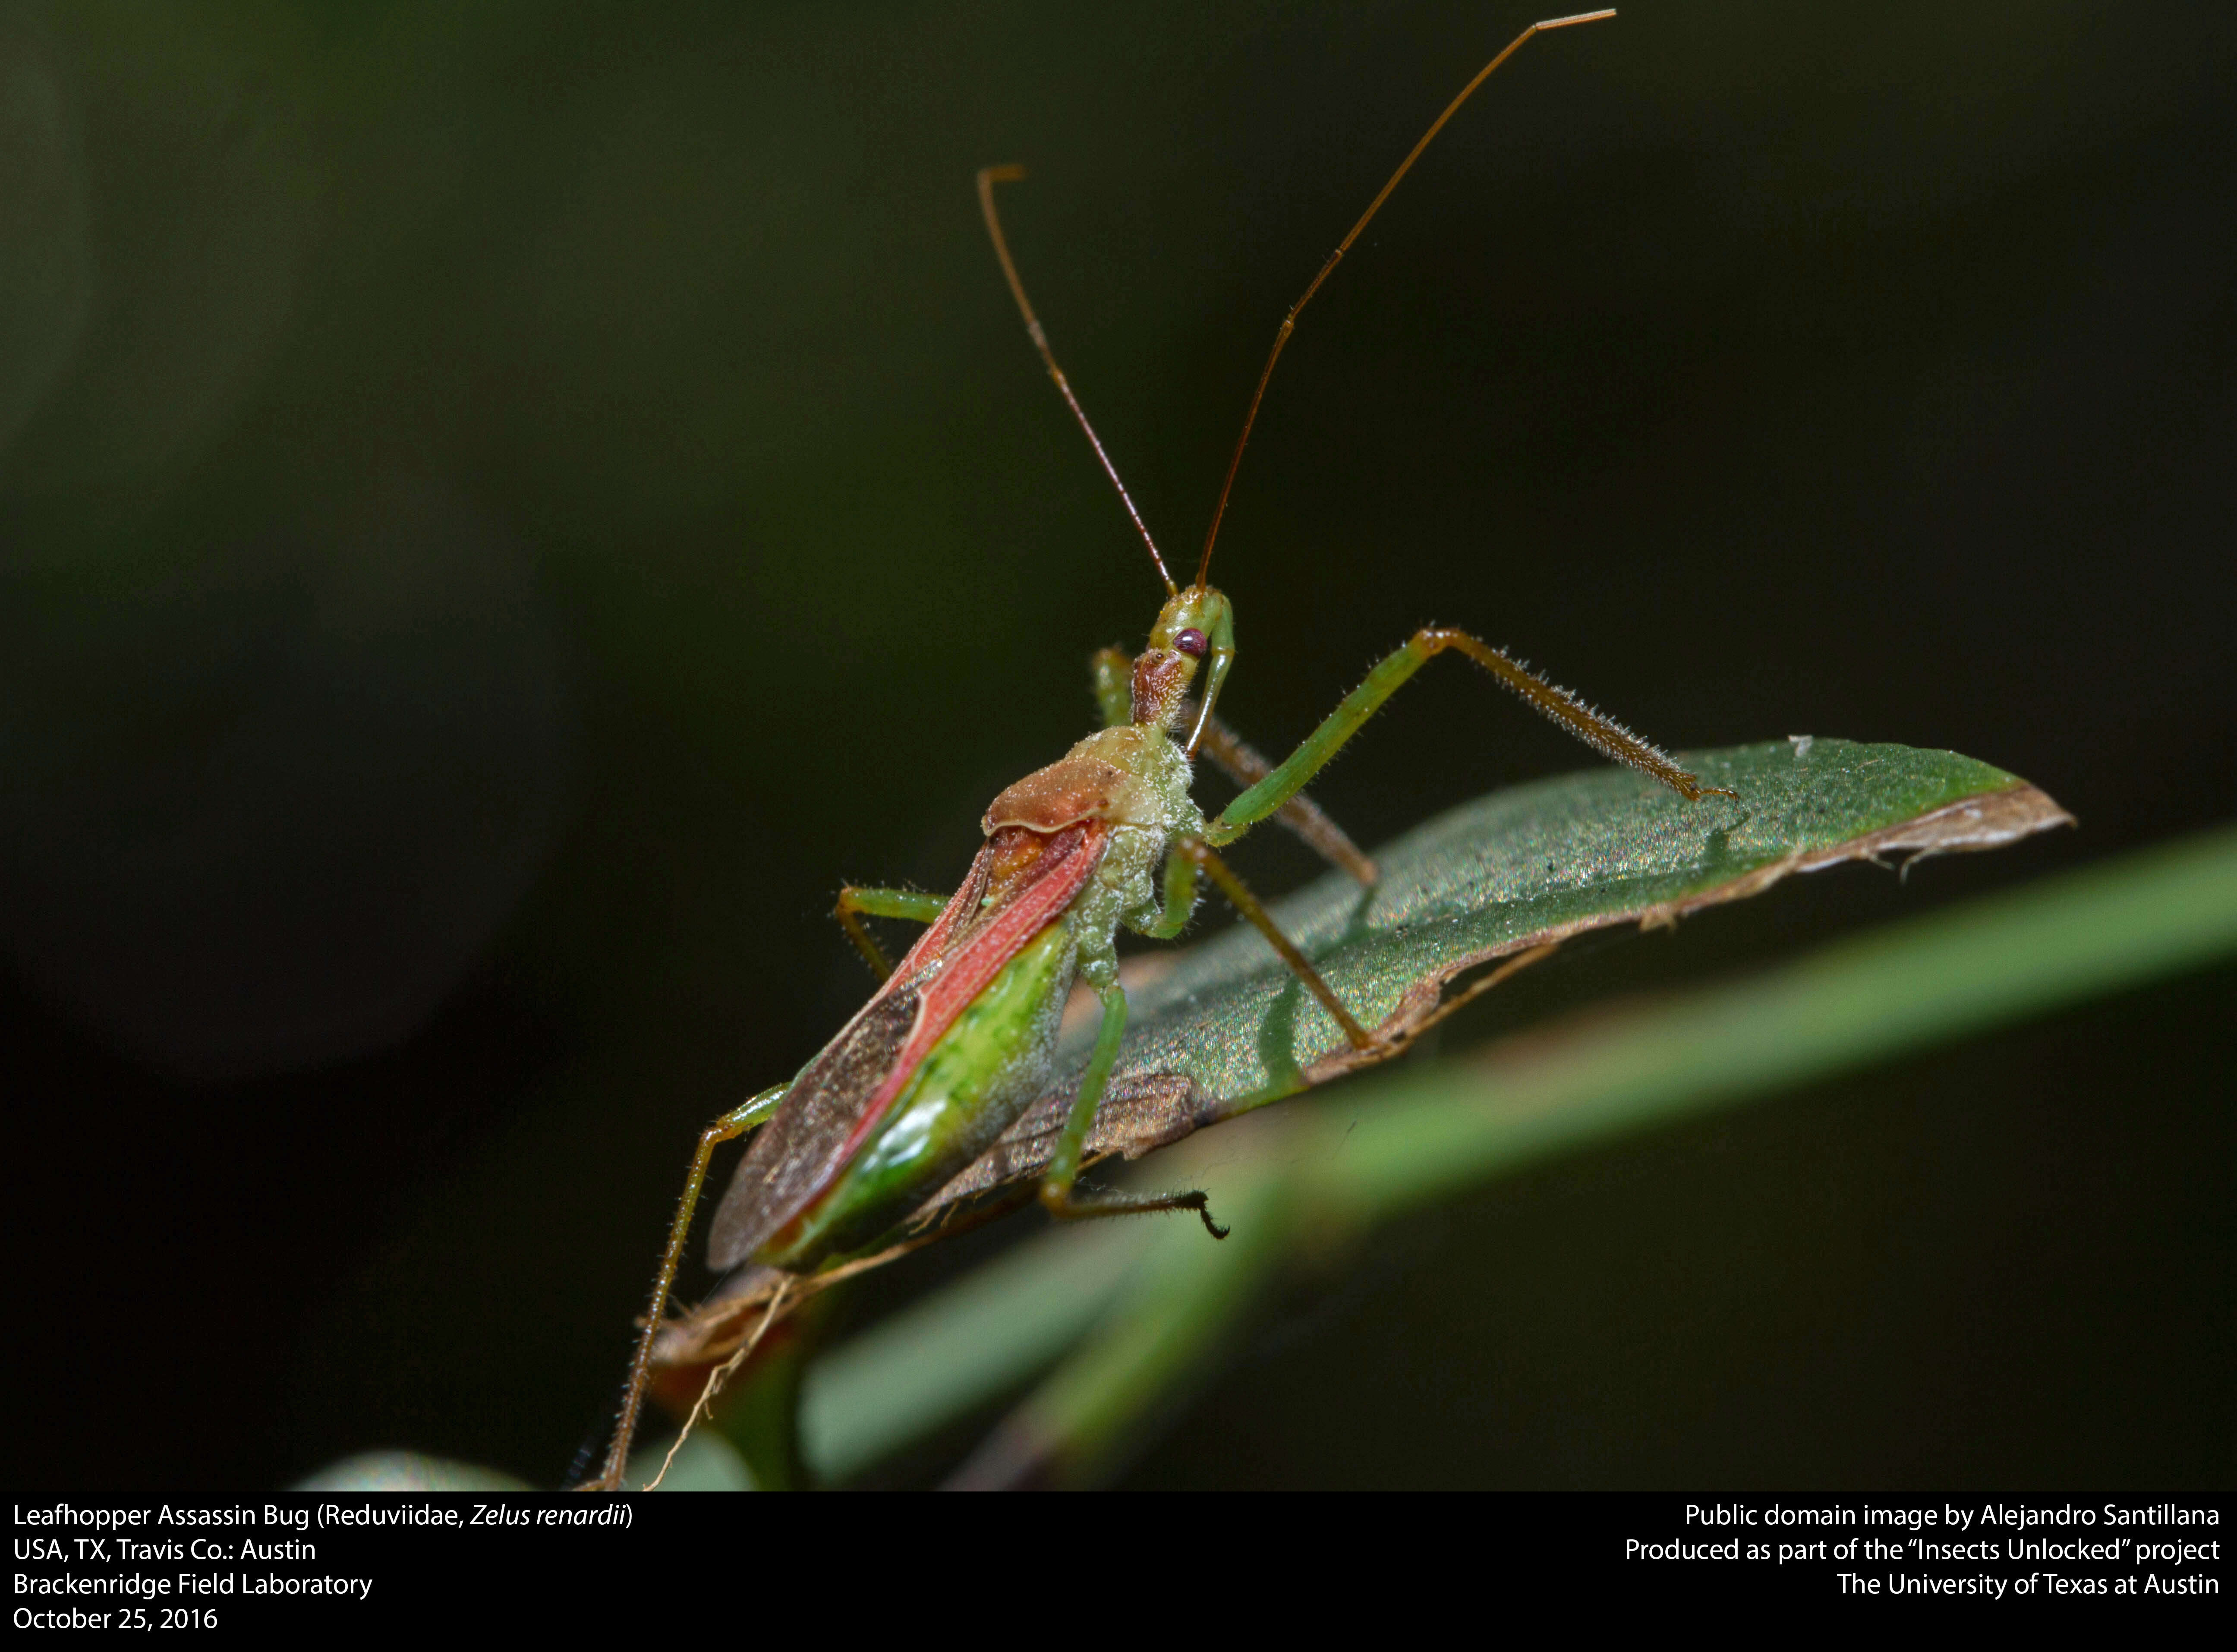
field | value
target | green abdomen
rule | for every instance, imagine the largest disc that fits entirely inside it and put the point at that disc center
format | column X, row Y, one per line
column 986, row 1070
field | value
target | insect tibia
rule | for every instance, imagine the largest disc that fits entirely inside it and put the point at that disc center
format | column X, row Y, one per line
column 1591, row 724
column 1603, row 734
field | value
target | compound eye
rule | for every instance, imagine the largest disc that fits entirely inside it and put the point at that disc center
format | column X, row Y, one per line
column 1192, row 642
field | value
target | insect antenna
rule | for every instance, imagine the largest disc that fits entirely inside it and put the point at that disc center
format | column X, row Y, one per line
column 988, row 177
column 1289, row 321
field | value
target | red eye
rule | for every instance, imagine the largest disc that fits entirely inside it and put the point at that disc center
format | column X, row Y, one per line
column 1191, row 642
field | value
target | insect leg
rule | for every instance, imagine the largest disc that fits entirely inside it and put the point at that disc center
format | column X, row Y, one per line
column 1604, row 735
column 855, row 902
column 1112, row 670
column 1241, row 761
column 731, row 1124
column 1063, row 1170
column 1181, row 877
column 1200, row 854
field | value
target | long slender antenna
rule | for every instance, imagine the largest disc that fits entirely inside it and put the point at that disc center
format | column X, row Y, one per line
column 1289, row 321
column 988, row 177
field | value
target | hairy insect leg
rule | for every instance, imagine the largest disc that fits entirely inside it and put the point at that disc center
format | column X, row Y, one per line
column 855, row 903
column 1057, row 1197
column 730, row 1126
column 1606, row 736
column 1198, row 854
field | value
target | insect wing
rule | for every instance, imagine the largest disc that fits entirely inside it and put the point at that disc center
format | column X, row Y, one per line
column 1021, row 881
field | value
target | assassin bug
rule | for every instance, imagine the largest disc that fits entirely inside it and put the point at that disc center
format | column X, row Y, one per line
column 960, row 1038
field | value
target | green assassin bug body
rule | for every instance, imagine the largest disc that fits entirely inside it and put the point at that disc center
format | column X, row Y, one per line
column 962, row 1036
column 961, row 1039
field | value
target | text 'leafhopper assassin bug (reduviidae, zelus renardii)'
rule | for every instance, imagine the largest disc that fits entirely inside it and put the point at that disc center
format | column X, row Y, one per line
column 961, row 1039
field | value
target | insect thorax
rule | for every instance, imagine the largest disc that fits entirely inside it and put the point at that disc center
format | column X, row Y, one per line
column 1146, row 807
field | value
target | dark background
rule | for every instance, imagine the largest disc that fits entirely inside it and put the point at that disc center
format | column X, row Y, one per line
column 504, row 508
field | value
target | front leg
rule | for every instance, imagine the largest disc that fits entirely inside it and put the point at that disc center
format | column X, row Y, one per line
column 1111, row 672
column 1604, row 735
